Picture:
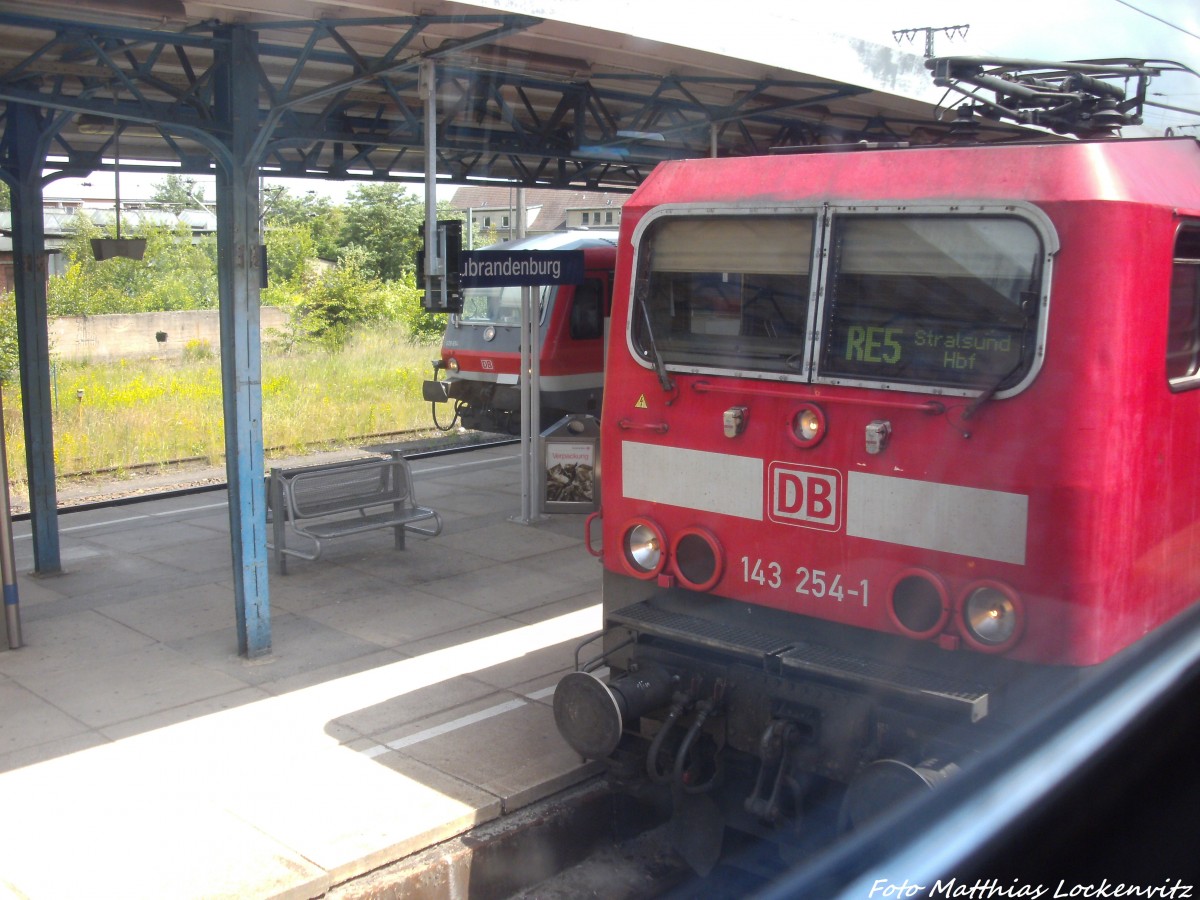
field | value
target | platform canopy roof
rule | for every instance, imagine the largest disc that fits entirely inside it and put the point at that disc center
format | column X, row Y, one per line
column 521, row 100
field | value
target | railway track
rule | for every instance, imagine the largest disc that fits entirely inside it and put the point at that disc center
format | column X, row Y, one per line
column 410, row 435
column 115, row 486
column 588, row 841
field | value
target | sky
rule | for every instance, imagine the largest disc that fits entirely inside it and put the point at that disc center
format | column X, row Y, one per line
column 803, row 36
column 833, row 40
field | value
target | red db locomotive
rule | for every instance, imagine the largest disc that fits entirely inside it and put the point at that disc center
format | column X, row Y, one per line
column 895, row 442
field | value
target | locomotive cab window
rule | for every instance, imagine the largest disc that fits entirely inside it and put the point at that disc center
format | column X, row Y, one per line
column 1183, row 328
column 939, row 302
column 730, row 291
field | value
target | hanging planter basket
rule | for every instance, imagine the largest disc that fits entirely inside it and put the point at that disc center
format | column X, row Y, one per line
column 112, row 248
column 118, row 247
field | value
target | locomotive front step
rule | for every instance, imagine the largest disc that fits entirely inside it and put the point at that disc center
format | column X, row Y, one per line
column 931, row 690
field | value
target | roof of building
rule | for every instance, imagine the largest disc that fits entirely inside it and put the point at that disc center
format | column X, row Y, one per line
column 548, row 208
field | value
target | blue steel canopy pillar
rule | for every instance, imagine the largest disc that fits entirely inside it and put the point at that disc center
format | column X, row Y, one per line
column 23, row 156
column 238, row 276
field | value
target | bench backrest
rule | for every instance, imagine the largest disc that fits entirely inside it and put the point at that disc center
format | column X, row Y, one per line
column 341, row 487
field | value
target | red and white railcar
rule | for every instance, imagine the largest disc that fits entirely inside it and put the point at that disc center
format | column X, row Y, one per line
column 481, row 348
column 884, row 432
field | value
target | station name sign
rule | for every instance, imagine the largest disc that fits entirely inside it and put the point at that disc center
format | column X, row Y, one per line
column 517, row 268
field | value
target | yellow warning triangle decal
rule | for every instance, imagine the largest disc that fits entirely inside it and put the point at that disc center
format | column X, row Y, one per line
column 641, row 403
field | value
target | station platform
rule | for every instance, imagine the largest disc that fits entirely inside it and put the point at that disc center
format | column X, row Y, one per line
column 406, row 700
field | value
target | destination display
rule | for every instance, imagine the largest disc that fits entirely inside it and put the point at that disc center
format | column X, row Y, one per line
column 922, row 352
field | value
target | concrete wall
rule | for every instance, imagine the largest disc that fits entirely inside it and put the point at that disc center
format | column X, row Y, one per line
column 123, row 336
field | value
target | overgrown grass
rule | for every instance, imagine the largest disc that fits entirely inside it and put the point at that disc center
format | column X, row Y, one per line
column 113, row 416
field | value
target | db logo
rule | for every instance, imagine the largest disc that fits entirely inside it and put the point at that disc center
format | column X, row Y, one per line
column 486, row 364
column 805, row 495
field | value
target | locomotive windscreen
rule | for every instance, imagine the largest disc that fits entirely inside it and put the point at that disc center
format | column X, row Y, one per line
column 731, row 289
column 498, row 305
column 939, row 302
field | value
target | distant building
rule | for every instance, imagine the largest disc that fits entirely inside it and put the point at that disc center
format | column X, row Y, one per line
column 57, row 216
column 493, row 210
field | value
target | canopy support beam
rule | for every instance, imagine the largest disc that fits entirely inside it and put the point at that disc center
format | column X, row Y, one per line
column 239, row 277
column 24, row 154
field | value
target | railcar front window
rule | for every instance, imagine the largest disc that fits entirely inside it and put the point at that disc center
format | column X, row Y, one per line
column 498, row 305
column 729, row 291
column 939, row 302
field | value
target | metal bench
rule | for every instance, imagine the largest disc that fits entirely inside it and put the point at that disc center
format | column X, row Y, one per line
column 339, row 499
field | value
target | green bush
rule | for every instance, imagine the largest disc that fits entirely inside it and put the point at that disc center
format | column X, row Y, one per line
column 197, row 350
column 333, row 302
column 176, row 273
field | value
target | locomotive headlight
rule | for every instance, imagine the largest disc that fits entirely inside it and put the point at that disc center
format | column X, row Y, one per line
column 642, row 546
column 920, row 604
column 697, row 558
column 992, row 616
column 452, row 366
column 808, row 426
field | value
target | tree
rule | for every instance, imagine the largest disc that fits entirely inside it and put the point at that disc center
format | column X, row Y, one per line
column 291, row 252
column 5, row 197
column 177, row 193
column 323, row 220
column 281, row 207
column 387, row 222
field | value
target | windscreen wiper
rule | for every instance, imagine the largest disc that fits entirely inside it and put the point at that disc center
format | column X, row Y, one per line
column 659, row 366
column 1028, row 299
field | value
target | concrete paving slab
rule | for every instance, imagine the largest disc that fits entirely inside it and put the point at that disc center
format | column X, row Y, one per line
column 299, row 643
column 183, row 713
column 502, row 589
column 489, row 627
column 399, row 617
column 463, row 512
column 118, row 688
column 516, row 755
column 340, row 669
column 352, row 814
column 36, row 591
column 97, row 570
column 559, row 607
column 130, row 537
column 54, row 643
column 191, row 847
column 378, row 721
column 547, row 663
column 202, row 555
column 29, row 721
column 175, row 614
column 435, row 560
column 508, row 541
column 39, row 753
column 320, row 585
column 571, row 563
